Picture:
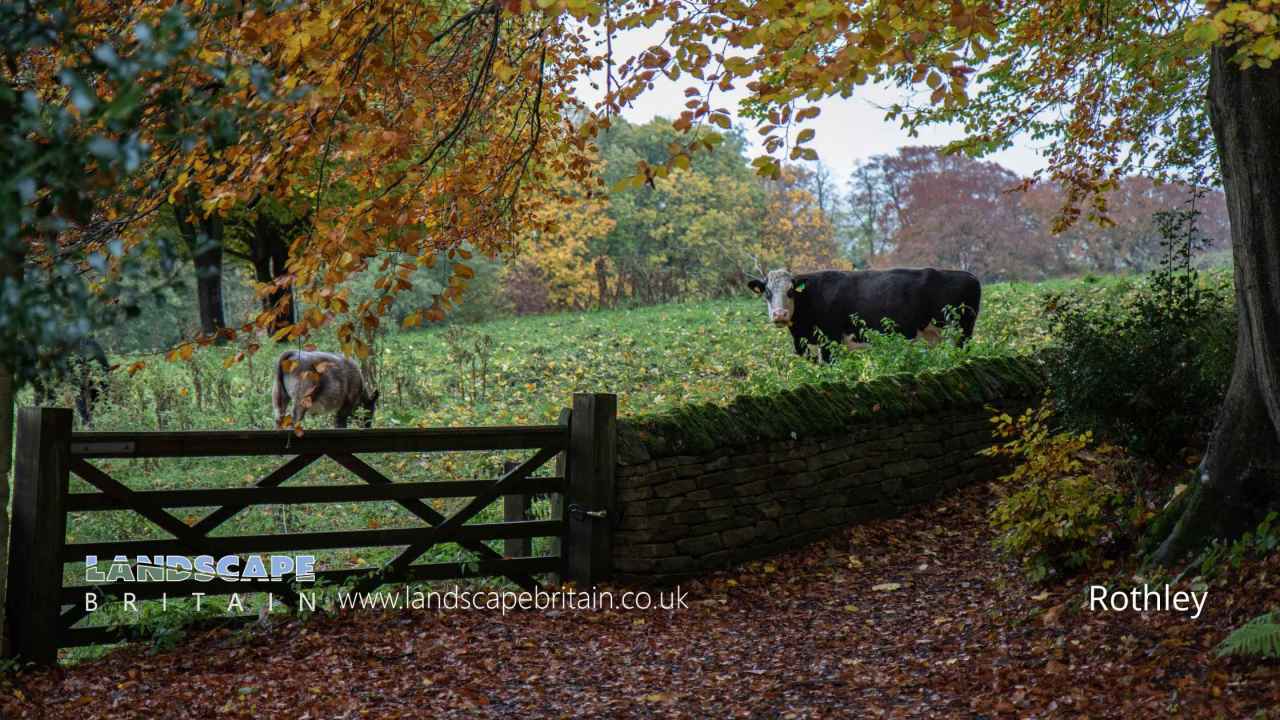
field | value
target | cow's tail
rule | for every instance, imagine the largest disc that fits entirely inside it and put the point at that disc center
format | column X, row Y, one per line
column 280, row 393
column 969, row 318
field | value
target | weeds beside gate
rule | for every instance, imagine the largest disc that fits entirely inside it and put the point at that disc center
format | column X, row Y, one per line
column 44, row 614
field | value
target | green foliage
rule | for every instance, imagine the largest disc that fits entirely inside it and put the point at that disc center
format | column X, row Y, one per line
column 1260, row 637
column 1066, row 500
column 685, row 235
column 51, row 143
column 1257, row 543
column 1148, row 366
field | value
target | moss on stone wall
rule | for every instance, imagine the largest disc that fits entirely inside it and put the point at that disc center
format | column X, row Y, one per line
column 822, row 409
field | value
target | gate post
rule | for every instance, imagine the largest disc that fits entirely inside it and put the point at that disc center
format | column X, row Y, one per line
column 590, row 508
column 41, row 473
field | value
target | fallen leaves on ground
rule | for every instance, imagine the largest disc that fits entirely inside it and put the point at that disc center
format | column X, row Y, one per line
column 818, row 633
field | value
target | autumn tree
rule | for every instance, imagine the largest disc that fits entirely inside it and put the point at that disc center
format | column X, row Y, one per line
column 1129, row 239
column 682, row 233
column 554, row 268
column 797, row 230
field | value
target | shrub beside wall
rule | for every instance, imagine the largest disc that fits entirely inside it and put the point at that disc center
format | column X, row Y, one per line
column 703, row 487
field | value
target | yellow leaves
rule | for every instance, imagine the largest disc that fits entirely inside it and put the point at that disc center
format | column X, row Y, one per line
column 1252, row 29
column 463, row 271
column 808, row 113
column 182, row 352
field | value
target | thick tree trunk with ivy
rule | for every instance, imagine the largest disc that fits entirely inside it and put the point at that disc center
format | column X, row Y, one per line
column 9, row 266
column 1240, row 475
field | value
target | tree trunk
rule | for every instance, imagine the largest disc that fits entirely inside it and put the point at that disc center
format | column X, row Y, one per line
column 1240, row 475
column 203, row 236
column 9, row 267
column 269, row 248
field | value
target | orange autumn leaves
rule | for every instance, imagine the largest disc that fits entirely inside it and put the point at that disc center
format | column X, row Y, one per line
column 403, row 131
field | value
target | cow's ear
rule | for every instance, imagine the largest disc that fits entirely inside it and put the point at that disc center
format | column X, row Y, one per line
column 798, row 287
column 755, row 285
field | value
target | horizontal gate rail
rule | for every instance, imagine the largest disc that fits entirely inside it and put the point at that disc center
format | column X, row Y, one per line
column 249, row 496
column 223, row 443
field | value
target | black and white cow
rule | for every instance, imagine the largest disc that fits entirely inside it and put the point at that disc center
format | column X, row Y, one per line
column 826, row 302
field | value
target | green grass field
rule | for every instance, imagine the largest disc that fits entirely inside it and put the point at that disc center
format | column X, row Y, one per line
column 511, row 371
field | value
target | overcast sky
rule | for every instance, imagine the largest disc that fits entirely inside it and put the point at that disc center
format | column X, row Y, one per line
column 847, row 130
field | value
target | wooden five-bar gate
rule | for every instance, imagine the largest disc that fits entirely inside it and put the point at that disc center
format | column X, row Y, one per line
column 43, row 614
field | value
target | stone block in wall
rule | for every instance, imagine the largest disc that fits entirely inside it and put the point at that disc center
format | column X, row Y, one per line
column 899, row 469
column 739, row 536
column 827, row 458
column 772, row 509
column 927, row 449
column 863, row 494
column 634, row 521
column 646, row 550
column 627, row 495
column 720, row 477
column 710, row 526
column 625, row 564
column 891, row 486
column 700, row 544
column 660, row 476
column 628, row 471
column 722, row 513
column 723, row 462
column 684, row 517
column 749, row 460
column 790, row 466
column 678, row 564
column 675, row 487
column 766, row 529
column 691, row 470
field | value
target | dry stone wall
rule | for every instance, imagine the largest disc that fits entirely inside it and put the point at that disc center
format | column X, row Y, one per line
column 704, row 487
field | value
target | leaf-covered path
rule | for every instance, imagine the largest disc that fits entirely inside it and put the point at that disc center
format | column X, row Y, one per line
column 907, row 618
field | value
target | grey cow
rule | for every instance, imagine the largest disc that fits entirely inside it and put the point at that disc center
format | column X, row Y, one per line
column 321, row 382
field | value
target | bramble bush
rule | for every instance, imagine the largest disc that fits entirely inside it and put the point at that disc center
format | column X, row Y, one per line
column 1146, row 367
column 1067, row 501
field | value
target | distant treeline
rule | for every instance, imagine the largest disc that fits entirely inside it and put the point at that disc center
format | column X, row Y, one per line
column 694, row 233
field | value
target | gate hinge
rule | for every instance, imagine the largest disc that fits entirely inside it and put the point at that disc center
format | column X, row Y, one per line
column 580, row 513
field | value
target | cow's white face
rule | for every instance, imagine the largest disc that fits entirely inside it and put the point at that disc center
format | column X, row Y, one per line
column 779, row 290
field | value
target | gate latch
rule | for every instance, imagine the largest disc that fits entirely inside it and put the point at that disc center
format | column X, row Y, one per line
column 580, row 513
